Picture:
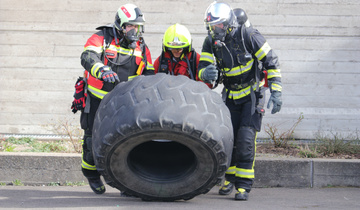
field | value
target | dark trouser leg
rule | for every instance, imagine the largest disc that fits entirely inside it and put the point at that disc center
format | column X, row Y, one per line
column 245, row 128
column 245, row 155
column 87, row 122
column 88, row 164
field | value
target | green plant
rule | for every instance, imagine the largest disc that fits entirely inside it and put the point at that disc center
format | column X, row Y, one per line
column 74, row 132
column 22, row 140
column 54, row 184
column 70, row 183
column 17, row 182
column 6, row 147
column 307, row 152
column 282, row 139
column 52, row 146
column 2, row 184
column 336, row 144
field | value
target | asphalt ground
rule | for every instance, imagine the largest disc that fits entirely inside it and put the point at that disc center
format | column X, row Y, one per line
column 81, row 197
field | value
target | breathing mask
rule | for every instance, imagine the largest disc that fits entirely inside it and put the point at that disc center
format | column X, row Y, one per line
column 132, row 37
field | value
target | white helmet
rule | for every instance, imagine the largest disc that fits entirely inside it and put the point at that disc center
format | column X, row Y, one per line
column 129, row 14
column 219, row 12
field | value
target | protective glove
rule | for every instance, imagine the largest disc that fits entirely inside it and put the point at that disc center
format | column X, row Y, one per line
column 108, row 75
column 79, row 96
column 209, row 74
column 275, row 99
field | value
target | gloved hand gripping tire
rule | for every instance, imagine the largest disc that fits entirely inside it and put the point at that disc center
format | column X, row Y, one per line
column 108, row 75
column 275, row 99
column 209, row 74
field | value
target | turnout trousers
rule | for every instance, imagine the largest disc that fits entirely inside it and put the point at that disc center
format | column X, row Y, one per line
column 245, row 127
column 87, row 122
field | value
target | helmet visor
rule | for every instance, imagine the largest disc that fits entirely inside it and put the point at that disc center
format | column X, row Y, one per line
column 176, row 44
column 217, row 13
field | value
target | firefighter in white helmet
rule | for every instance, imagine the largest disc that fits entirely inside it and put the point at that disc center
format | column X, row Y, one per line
column 239, row 50
column 116, row 53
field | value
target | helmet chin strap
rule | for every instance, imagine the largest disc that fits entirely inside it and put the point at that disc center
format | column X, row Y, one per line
column 115, row 36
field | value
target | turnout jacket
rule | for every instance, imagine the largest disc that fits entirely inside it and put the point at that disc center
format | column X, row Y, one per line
column 180, row 67
column 241, row 76
column 127, row 63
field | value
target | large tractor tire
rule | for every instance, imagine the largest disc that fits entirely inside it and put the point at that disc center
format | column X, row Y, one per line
column 162, row 138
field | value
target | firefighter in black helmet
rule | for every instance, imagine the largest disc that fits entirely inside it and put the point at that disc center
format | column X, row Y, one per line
column 238, row 51
column 116, row 53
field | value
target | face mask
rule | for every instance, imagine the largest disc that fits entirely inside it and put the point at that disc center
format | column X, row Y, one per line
column 218, row 34
column 132, row 38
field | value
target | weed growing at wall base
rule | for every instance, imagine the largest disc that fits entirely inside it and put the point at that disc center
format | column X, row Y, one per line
column 281, row 139
column 66, row 127
column 26, row 144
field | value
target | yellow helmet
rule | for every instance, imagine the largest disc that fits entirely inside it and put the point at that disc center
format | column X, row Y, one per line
column 177, row 36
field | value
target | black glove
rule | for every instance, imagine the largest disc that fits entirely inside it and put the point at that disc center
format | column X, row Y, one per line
column 209, row 74
column 108, row 75
column 275, row 99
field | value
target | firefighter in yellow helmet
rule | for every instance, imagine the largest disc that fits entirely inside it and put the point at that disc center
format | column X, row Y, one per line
column 239, row 50
column 116, row 53
column 177, row 56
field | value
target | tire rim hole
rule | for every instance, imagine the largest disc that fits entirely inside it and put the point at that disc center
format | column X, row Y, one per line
column 162, row 160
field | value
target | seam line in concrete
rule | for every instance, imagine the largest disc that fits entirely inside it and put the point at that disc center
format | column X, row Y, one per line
column 311, row 173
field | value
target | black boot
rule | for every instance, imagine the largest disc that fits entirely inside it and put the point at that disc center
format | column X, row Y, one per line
column 241, row 195
column 227, row 188
column 93, row 177
column 96, row 185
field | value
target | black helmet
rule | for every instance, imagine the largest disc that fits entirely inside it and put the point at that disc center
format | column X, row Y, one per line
column 241, row 17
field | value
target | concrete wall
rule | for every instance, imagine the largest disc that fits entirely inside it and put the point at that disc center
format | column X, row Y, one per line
column 42, row 168
column 317, row 42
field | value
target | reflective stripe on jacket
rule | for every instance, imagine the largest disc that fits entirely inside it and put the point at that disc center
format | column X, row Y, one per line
column 122, row 60
column 238, row 73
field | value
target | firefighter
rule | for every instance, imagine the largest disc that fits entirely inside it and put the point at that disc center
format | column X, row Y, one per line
column 240, row 51
column 116, row 53
column 177, row 56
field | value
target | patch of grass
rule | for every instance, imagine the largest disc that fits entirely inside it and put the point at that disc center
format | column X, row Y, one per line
column 308, row 152
column 2, row 184
column 336, row 144
column 13, row 144
column 54, row 184
column 22, row 140
column 53, row 146
column 5, row 146
column 69, row 183
column 331, row 146
column 17, row 182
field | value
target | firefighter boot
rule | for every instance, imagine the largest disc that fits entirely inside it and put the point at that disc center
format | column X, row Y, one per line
column 241, row 194
column 96, row 185
column 227, row 188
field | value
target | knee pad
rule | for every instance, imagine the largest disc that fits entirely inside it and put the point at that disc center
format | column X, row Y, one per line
column 245, row 144
column 87, row 151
